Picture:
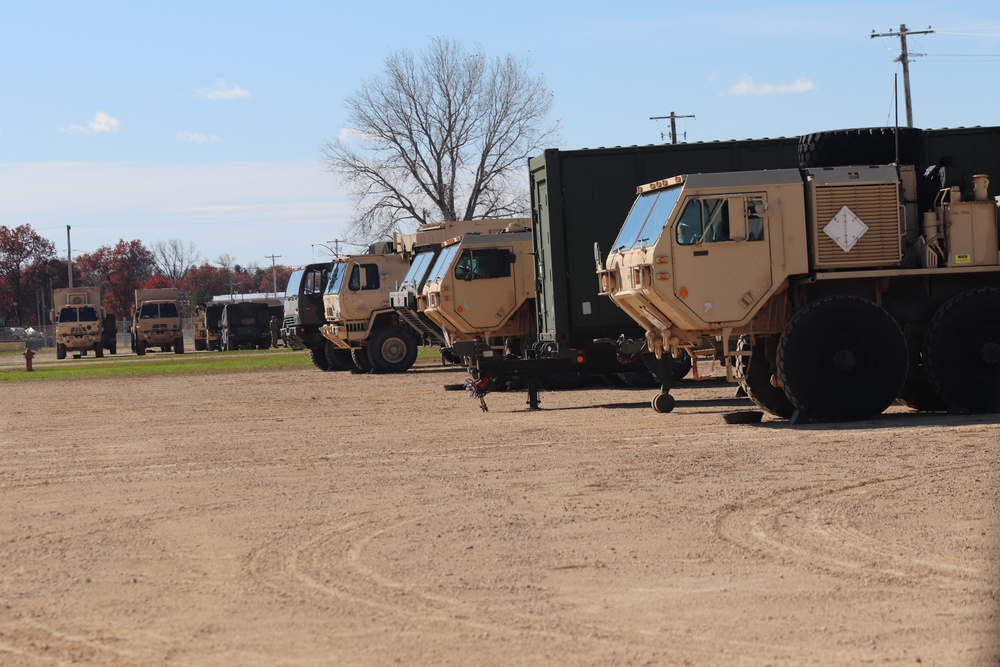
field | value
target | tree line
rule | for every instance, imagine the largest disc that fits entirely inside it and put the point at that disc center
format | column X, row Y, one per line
column 30, row 270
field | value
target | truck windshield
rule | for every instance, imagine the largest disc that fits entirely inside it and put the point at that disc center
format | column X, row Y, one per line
column 294, row 280
column 418, row 270
column 67, row 315
column 646, row 219
column 336, row 278
column 88, row 314
column 149, row 311
column 442, row 263
column 169, row 310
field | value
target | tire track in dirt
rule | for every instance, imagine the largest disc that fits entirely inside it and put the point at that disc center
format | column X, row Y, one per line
column 810, row 527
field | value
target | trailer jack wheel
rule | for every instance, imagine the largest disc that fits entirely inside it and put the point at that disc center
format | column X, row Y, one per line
column 663, row 403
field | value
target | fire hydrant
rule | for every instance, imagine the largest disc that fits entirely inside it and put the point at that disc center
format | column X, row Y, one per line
column 29, row 354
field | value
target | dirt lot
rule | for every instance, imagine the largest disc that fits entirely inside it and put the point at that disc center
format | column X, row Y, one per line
column 303, row 518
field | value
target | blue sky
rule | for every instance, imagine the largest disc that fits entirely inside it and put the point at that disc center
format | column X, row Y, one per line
column 203, row 121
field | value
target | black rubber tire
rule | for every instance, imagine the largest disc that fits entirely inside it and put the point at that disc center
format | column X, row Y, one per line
column 872, row 145
column 98, row 350
column 199, row 344
column 663, row 403
column 317, row 356
column 842, row 358
column 962, row 351
column 392, row 350
column 337, row 358
column 362, row 364
column 140, row 348
column 756, row 381
column 179, row 346
column 60, row 351
column 113, row 348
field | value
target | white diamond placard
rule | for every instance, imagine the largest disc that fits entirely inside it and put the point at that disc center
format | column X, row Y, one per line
column 845, row 228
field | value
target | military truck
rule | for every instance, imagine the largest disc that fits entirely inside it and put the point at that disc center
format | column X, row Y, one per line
column 361, row 320
column 580, row 197
column 836, row 289
column 207, row 319
column 244, row 325
column 156, row 321
column 81, row 323
column 304, row 315
column 481, row 289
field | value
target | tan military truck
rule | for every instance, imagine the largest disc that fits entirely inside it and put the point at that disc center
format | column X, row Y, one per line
column 156, row 321
column 482, row 288
column 206, row 321
column 837, row 290
column 81, row 323
column 360, row 318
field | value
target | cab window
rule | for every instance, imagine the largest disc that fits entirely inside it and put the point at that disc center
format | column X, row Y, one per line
column 482, row 264
column 363, row 277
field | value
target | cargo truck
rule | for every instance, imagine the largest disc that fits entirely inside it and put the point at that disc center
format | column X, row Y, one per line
column 81, row 323
column 361, row 320
column 835, row 289
column 156, row 321
column 579, row 199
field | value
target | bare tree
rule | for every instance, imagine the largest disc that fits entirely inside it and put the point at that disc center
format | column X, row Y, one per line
column 442, row 137
column 174, row 257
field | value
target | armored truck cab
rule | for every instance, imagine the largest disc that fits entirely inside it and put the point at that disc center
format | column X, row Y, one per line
column 156, row 321
column 843, row 295
column 482, row 289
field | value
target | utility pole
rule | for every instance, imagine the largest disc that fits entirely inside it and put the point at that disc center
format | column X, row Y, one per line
column 904, row 57
column 673, row 125
column 274, row 273
column 69, row 259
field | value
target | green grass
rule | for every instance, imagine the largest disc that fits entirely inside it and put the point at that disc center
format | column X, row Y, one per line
column 163, row 363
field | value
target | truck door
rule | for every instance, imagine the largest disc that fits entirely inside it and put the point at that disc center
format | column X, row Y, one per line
column 485, row 291
column 721, row 256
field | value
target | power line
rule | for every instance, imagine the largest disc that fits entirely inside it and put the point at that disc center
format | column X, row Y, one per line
column 904, row 58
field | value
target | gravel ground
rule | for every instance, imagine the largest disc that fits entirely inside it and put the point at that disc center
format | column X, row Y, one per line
column 308, row 518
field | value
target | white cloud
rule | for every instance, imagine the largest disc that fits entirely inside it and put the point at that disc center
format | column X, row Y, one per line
column 747, row 86
column 101, row 123
column 348, row 135
column 223, row 91
column 194, row 138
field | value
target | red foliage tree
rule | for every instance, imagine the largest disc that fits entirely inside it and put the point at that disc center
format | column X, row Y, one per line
column 23, row 255
column 121, row 269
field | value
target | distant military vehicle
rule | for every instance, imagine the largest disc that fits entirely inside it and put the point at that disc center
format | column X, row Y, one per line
column 81, row 323
column 156, row 321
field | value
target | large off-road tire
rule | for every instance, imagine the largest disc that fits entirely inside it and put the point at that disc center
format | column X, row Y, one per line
column 757, row 371
column 872, row 145
column 113, row 347
column 362, row 363
column 179, row 346
column 318, row 358
column 842, row 358
column 60, row 351
column 140, row 347
column 962, row 351
column 98, row 350
column 392, row 350
column 199, row 345
column 337, row 358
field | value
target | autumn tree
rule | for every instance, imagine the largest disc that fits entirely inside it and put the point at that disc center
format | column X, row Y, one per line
column 23, row 257
column 442, row 136
column 120, row 269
